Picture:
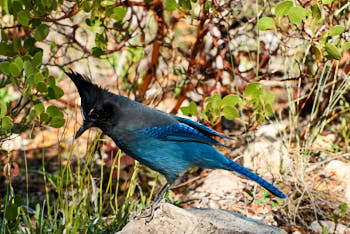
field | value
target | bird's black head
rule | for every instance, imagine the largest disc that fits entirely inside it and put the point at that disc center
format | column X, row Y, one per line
column 97, row 108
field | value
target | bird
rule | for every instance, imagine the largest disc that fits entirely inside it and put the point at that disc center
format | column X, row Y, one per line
column 166, row 143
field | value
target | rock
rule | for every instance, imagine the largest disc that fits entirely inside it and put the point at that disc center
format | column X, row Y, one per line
column 340, row 171
column 323, row 143
column 223, row 189
column 220, row 190
column 220, row 183
column 328, row 227
column 171, row 219
column 15, row 142
column 267, row 154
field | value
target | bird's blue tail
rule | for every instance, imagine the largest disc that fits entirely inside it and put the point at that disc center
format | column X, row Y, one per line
column 254, row 177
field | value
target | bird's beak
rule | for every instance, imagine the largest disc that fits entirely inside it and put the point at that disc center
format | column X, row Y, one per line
column 86, row 125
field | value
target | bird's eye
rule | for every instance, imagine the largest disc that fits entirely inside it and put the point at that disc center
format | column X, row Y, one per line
column 93, row 114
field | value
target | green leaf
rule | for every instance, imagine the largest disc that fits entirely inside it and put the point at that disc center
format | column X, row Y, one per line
column 205, row 116
column 41, row 87
column 14, row 69
column 27, row 92
column 269, row 98
column 17, row 200
column 268, row 110
column 54, row 111
column 54, row 5
column 4, row 37
column 19, row 63
column 5, row 67
column 101, row 41
column 29, row 45
column 35, row 22
column 52, row 47
column 32, row 115
column 213, row 104
column 3, row 93
column 345, row 46
column 41, row 32
column 333, row 51
column 275, row 204
column 336, row 30
column 23, row 17
column 37, row 59
column 96, row 52
column 45, row 71
column 55, row 92
column 266, row 23
column 28, row 4
column 261, row 118
column 16, row 44
column 297, row 14
column 190, row 110
column 11, row 212
column 6, row 123
column 253, row 90
column 107, row 3
column 317, row 52
column 3, row 109
column 39, row 108
column 139, row 53
column 231, row 100
column 185, row 4
column 86, row 6
column 57, row 122
column 185, row 110
column 29, row 69
column 7, row 49
column 119, row 13
column 230, row 112
column 326, row 2
column 14, row 7
column 26, row 57
column 44, row 117
column 171, row 5
column 214, row 98
column 38, row 77
column 282, row 8
column 193, row 108
column 4, row 5
column 88, row 22
column 316, row 12
column 96, row 4
column 208, row 5
column 343, row 208
column 52, row 81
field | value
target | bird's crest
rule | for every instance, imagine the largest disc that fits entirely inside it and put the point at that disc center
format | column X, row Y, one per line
column 89, row 92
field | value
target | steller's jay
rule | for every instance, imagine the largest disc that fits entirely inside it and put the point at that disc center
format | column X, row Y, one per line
column 164, row 142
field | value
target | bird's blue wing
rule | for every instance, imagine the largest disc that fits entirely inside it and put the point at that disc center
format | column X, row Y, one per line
column 200, row 127
column 180, row 132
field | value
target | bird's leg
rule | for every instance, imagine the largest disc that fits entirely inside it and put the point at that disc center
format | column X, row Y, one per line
column 148, row 212
column 161, row 194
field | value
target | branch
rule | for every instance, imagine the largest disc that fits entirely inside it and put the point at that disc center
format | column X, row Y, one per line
column 202, row 31
column 156, row 47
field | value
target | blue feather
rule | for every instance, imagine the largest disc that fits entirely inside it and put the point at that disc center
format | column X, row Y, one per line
column 180, row 132
column 254, row 177
column 201, row 127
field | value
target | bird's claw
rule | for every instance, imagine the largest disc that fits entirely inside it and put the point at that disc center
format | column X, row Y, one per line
column 148, row 212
